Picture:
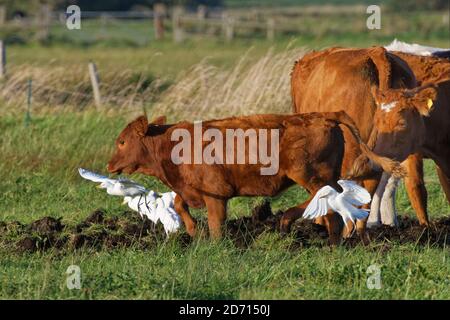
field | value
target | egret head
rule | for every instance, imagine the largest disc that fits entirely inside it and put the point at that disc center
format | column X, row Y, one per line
column 126, row 200
column 103, row 185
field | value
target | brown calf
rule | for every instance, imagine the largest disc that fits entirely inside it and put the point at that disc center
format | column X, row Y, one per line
column 311, row 148
column 434, row 71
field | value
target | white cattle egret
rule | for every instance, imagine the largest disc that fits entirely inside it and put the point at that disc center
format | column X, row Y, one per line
column 343, row 203
column 147, row 203
column 115, row 187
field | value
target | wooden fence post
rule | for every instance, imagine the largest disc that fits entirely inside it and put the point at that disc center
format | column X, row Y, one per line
column 29, row 97
column 2, row 59
column 95, row 82
column 44, row 20
column 2, row 15
column 177, row 30
column 228, row 26
column 271, row 29
column 202, row 12
column 159, row 13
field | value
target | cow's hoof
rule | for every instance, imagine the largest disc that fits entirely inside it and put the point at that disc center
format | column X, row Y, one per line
column 373, row 224
column 285, row 227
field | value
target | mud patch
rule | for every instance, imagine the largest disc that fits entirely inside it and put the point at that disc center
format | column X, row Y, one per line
column 409, row 231
column 100, row 231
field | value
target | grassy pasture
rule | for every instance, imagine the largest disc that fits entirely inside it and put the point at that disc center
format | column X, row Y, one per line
column 38, row 178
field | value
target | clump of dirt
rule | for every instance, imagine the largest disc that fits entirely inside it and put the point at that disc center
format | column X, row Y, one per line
column 3, row 226
column 243, row 231
column 100, row 231
column 41, row 234
column 47, row 225
column 410, row 231
column 109, row 232
column 97, row 231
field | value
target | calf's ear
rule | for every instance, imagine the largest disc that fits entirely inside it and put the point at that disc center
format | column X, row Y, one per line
column 159, row 120
column 424, row 99
column 140, row 126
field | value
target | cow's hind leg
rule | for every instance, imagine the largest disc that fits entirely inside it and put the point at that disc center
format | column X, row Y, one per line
column 445, row 182
column 182, row 209
column 333, row 222
column 293, row 214
column 415, row 186
column 217, row 213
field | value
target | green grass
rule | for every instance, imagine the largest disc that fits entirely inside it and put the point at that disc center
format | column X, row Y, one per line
column 38, row 170
column 39, row 178
column 220, row 271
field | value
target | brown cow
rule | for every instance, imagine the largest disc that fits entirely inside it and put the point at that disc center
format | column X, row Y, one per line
column 434, row 71
column 310, row 154
column 372, row 86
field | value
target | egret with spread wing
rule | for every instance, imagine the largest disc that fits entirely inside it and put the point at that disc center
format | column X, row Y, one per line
column 168, row 198
column 115, row 187
column 343, row 203
column 168, row 217
column 156, row 207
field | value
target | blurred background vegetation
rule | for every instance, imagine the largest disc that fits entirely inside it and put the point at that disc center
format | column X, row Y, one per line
column 136, row 65
column 27, row 7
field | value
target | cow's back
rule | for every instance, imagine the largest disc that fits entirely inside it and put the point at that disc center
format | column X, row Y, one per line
column 426, row 68
column 341, row 79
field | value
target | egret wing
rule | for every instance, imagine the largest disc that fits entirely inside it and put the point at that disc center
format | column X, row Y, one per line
column 89, row 175
column 354, row 193
column 318, row 206
column 168, row 198
column 126, row 184
column 171, row 221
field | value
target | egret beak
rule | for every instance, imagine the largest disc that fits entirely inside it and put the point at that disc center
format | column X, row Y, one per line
column 124, row 202
column 99, row 186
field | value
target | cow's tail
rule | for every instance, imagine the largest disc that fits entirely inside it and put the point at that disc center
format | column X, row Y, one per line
column 362, row 165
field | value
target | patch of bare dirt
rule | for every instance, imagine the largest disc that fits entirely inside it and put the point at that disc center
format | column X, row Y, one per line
column 100, row 231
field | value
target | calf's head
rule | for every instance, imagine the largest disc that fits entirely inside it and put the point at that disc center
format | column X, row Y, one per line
column 131, row 150
column 399, row 128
